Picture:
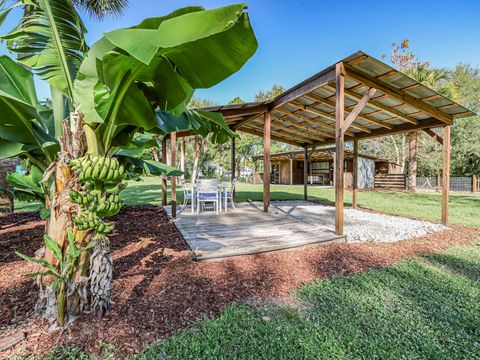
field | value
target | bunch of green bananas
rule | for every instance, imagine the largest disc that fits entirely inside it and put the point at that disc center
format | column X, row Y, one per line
column 108, row 205
column 103, row 204
column 87, row 220
column 100, row 183
column 91, row 221
column 101, row 168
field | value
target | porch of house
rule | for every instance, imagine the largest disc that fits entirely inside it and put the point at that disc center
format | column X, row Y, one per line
column 248, row 230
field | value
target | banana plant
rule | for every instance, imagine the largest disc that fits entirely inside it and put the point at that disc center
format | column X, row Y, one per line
column 130, row 83
column 62, row 274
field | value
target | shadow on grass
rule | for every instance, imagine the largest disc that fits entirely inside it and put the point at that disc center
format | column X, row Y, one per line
column 457, row 265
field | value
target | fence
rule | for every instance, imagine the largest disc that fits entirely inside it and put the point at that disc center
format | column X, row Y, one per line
column 457, row 183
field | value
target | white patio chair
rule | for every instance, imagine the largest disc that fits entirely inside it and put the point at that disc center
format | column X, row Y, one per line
column 187, row 195
column 207, row 194
column 207, row 182
column 229, row 195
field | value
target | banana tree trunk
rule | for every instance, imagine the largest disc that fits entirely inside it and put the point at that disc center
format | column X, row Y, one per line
column 62, row 211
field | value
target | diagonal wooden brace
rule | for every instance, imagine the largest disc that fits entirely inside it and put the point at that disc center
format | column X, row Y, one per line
column 358, row 109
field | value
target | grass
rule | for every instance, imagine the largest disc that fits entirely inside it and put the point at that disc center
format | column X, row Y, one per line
column 464, row 207
column 424, row 308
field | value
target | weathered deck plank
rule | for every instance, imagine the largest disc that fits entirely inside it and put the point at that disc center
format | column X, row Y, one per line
column 248, row 230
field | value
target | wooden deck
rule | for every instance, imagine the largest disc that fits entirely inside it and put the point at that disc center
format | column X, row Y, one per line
column 247, row 230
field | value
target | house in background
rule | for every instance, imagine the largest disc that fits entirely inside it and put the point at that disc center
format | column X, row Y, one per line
column 287, row 169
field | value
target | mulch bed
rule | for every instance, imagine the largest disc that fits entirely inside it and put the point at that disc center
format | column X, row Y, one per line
column 158, row 288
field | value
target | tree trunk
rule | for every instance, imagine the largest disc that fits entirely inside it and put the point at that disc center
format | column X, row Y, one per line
column 412, row 161
column 61, row 214
column 155, row 155
column 196, row 162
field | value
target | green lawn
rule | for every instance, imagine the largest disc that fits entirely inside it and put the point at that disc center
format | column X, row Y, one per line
column 464, row 207
column 424, row 308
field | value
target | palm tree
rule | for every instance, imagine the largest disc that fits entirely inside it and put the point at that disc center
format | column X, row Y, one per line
column 101, row 8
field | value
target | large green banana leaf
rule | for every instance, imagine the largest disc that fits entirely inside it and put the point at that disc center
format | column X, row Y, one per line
column 21, row 126
column 27, row 186
column 133, row 158
column 49, row 39
column 158, row 64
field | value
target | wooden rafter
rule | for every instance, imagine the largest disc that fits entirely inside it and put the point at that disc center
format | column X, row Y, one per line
column 247, row 129
column 307, row 132
column 287, row 113
column 358, row 60
column 410, row 87
column 305, row 87
column 286, row 131
column 322, row 115
column 387, row 75
column 432, row 97
column 397, row 129
column 434, row 135
column 377, row 105
column 358, row 109
column 331, row 104
column 398, row 94
column 246, row 120
column 258, row 109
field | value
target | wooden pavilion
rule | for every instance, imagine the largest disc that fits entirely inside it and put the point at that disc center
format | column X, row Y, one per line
column 357, row 98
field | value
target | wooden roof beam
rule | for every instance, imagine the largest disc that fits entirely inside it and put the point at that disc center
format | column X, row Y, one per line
column 433, row 97
column 295, row 134
column 387, row 75
column 302, row 117
column 375, row 104
column 251, row 131
column 246, row 121
column 397, row 129
column 331, row 104
column 317, row 120
column 434, row 135
column 319, row 80
column 398, row 94
column 257, row 109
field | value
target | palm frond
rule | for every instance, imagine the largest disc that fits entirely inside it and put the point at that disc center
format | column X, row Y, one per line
column 50, row 40
column 101, row 8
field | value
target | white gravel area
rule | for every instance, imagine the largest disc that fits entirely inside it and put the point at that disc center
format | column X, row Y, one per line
column 360, row 226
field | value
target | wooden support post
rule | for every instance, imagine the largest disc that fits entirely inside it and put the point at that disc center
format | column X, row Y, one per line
column 474, row 184
column 182, row 156
column 266, row 162
column 355, row 175
column 291, row 169
column 339, row 146
column 233, row 156
column 446, row 174
column 173, row 179
column 164, row 178
column 305, row 174
column 438, row 182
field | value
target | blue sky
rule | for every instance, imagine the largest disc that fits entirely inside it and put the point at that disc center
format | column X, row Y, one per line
column 298, row 38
